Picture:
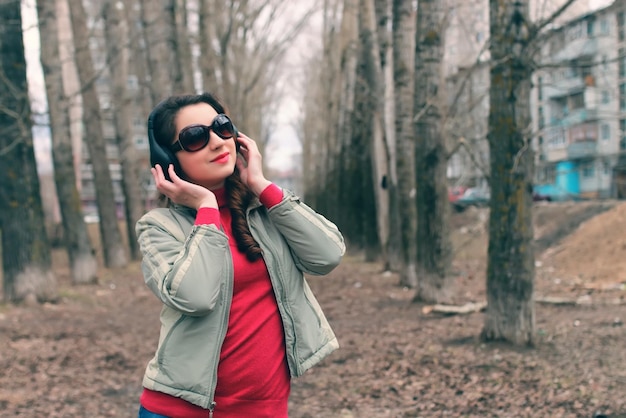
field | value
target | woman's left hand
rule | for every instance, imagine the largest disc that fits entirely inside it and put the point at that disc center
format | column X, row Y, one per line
column 250, row 165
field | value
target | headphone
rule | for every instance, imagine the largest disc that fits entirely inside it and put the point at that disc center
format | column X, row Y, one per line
column 163, row 156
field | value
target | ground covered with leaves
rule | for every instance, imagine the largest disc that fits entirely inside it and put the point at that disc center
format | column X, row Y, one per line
column 85, row 356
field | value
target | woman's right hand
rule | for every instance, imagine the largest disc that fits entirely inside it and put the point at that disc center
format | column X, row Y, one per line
column 182, row 192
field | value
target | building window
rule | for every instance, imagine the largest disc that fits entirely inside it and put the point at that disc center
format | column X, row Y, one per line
column 138, row 122
column 140, row 142
column 620, row 26
column 604, row 27
column 590, row 24
column 622, row 96
column 577, row 101
column 539, row 88
column 607, row 167
column 588, row 170
column 132, row 82
column 605, row 131
column 606, row 97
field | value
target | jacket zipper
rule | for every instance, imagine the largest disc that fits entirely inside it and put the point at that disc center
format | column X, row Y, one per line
column 224, row 330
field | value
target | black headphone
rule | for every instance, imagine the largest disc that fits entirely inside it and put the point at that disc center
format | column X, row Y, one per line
column 158, row 154
column 163, row 156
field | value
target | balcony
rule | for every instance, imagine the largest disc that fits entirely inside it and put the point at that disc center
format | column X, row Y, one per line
column 581, row 149
column 564, row 87
column 576, row 117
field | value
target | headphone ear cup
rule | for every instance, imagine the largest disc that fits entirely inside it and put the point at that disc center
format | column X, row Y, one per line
column 158, row 154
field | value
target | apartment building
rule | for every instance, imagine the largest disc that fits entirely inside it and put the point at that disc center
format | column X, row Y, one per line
column 579, row 106
column 466, row 63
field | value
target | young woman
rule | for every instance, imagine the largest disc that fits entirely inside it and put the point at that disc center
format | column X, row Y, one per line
column 226, row 257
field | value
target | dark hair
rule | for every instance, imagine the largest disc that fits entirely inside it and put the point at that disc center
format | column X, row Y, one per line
column 239, row 196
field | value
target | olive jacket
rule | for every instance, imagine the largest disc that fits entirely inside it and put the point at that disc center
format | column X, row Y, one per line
column 189, row 267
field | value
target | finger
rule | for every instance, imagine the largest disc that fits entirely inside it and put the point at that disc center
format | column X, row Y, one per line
column 173, row 175
column 157, row 173
column 247, row 141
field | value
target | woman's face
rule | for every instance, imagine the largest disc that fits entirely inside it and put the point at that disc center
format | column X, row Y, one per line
column 211, row 165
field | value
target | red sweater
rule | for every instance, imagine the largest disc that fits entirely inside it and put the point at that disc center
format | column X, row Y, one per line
column 252, row 375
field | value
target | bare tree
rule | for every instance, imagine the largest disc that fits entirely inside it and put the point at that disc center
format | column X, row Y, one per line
column 183, row 75
column 159, row 36
column 434, row 248
column 403, row 62
column 117, row 42
column 25, row 248
column 374, row 96
column 338, row 83
column 83, row 264
column 242, row 52
column 323, row 120
column 511, row 263
column 112, row 244
column 138, row 59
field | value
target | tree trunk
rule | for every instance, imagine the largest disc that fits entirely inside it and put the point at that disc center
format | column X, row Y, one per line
column 510, row 312
column 403, row 53
column 434, row 248
column 83, row 263
column 25, row 248
column 183, row 70
column 207, row 34
column 138, row 60
column 112, row 244
column 390, row 179
column 375, row 97
column 158, row 34
column 117, row 42
column 342, row 56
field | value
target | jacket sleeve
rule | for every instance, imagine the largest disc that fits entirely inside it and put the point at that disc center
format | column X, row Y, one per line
column 186, row 272
column 315, row 242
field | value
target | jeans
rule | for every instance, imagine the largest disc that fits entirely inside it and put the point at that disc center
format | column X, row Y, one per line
column 144, row 413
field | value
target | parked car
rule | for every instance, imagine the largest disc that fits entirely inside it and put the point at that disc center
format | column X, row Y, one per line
column 538, row 197
column 473, row 196
column 454, row 193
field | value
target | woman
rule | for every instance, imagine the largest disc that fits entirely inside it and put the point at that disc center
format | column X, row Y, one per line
column 226, row 257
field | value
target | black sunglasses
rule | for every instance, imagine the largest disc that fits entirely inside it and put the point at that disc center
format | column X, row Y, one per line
column 193, row 138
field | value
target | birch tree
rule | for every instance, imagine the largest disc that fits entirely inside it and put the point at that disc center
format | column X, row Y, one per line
column 112, row 244
column 25, row 247
column 374, row 107
column 183, row 76
column 434, row 248
column 403, row 63
column 341, row 56
column 158, row 35
column 83, row 264
column 117, row 42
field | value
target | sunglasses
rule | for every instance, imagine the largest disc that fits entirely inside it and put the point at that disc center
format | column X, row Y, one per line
column 193, row 138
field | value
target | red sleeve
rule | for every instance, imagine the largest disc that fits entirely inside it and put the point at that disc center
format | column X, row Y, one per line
column 271, row 196
column 208, row 216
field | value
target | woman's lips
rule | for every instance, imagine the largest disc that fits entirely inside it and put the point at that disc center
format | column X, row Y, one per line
column 222, row 159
